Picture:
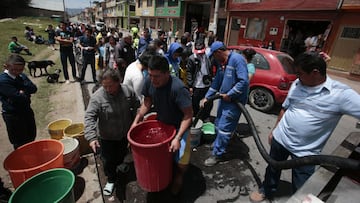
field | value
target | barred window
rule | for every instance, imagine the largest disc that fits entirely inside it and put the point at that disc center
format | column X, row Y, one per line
column 160, row 3
column 255, row 28
column 172, row 3
column 351, row 32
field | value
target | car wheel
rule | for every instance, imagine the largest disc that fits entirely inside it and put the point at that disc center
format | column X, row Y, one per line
column 261, row 99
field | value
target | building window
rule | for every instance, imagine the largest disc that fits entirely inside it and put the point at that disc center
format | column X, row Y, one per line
column 139, row 3
column 351, row 32
column 172, row 3
column 149, row 3
column 132, row 8
column 255, row 28
column 235, row 24
column 221, row 4
column 160, row 3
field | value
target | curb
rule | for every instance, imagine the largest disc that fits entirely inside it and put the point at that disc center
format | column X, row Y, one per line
column 343, row 74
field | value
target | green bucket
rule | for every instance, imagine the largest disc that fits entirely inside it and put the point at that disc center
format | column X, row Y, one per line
column 54, row 185
column 209, row 133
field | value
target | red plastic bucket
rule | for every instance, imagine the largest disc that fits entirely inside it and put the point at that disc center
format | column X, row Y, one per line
column 150, row 142
column 33, row 158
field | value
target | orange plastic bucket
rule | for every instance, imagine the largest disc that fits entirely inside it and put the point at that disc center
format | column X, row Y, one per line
column 150, row 142
column 33, row 158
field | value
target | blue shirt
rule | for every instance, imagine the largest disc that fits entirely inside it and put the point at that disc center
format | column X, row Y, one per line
column 312, row 114
column 251, row 68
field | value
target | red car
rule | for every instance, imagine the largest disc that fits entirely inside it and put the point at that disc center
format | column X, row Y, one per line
column 274, row 74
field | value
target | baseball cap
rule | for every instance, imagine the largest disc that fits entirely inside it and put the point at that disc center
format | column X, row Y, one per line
column 216, row 46
column 199, row 48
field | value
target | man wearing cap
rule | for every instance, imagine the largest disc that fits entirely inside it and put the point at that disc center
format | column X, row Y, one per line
column 232, row 83
column 198, row 75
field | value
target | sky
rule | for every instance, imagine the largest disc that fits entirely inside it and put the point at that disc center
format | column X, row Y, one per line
column 57, row 5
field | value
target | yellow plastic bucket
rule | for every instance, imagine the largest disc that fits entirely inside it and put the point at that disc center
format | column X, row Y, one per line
column 56, row 128
column 76, row 130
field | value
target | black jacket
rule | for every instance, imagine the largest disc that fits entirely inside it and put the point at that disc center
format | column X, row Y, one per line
column 193, row 66
column 125, row 51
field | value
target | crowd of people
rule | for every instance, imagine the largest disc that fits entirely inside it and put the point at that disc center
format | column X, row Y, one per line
column 175, row 79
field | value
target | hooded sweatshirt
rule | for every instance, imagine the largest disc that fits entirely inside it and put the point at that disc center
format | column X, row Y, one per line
column 174, row 63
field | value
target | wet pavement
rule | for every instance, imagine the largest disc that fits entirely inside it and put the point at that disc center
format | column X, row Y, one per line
column 229, row 181
column 232, row 180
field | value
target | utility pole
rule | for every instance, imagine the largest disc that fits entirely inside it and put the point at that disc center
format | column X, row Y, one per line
column 65, row 17
column 128, row 13
column 216, row 11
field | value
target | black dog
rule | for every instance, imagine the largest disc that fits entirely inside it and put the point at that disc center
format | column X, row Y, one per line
column 33, row 65
column 53, row 78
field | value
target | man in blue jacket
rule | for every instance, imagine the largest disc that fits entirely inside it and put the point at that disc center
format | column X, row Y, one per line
column 15, row 93
column 232, row 83
column 144, row 41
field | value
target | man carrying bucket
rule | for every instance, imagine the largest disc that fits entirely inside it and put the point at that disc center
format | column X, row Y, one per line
column 110, row 112
column 172, row 102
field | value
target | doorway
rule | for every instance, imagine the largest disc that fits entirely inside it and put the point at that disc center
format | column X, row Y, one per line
column 297, row 31
column 197, row 16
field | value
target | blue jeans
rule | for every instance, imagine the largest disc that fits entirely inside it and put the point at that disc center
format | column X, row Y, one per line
column 272, row 175
column 88, row 59
column 66, row 53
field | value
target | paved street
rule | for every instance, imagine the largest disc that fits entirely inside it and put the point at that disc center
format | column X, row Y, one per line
column 233, row 180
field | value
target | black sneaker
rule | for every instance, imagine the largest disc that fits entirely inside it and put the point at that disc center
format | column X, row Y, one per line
column 5, row 195
column 77, row 79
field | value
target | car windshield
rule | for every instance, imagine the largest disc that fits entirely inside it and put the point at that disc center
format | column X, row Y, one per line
column 287, row 63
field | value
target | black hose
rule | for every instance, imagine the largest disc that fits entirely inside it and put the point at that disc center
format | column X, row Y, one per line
column 205, row 108
column 327, row 160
